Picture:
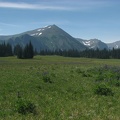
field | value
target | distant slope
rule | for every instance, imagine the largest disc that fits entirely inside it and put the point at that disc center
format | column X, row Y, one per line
column 93, row 44
column 50, row 37
column 114, row 45
column 53, row 38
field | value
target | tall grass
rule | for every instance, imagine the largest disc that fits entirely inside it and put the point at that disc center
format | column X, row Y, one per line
column 58, row 88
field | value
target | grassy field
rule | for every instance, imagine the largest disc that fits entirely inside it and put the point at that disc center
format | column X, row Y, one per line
column 59, row 88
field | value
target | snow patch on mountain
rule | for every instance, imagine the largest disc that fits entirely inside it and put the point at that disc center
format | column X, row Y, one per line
column 49, row 27
column 40, row 34
column 34, row 34
column 39, row 30
column 86, row 43
column 116, row 46
column 42, row 29
column 93, row 43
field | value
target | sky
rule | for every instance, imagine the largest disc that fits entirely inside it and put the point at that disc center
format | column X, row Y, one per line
column 86, row 19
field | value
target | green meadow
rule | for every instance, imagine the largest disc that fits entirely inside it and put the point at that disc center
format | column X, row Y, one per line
column 59, row 88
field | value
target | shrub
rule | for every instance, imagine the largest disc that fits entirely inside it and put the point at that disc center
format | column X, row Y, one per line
column 103, row 90
column 78, row 70
column 86, row 74
column 25, row 107
column 100, row 78
column 46, row 79
column 117, row 84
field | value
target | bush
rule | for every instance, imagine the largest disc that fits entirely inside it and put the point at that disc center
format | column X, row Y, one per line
column 25, row 107
column 86, row 74
column 103, row 90
column 117, row 84
column 46, row 79
column 78, row 70
column 100, row 78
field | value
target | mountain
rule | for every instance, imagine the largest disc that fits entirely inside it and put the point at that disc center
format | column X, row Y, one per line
column 114, row 45
column 53, row 38
column 50, row 37
column 93, row 43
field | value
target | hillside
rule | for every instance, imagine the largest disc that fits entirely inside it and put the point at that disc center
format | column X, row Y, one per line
column 54, row 38
column 114, row 45
column 93, row 44
column 50, row 38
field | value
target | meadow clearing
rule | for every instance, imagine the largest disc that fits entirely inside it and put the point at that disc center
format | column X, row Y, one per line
column 59, row 88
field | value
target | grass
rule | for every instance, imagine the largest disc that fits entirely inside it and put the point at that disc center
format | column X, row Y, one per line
column 58, row 88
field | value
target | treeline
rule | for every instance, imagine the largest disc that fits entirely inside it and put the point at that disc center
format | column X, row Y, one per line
column 5, row 50
column 88, row 53
column 24, row 53
column 21, row 53
column 28, row 52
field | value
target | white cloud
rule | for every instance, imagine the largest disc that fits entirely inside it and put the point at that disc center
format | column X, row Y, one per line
column 67, row 5
column 7, row 24
column 32, row 6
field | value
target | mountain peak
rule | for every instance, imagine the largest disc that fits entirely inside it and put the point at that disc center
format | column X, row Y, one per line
column 49, row 37
column 93, row 43
column 39, row 31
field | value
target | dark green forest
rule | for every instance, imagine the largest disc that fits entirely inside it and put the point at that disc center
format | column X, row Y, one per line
column 22, row 53
column 5, row 50
column 88, row 53
column 28, row 52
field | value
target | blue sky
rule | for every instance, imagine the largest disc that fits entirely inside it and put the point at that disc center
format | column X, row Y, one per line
column 85, row 19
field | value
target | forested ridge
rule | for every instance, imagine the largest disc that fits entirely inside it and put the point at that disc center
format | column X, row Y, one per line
column 28, row 52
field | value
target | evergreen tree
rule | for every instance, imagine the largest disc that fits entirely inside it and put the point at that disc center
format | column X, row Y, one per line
column 9, row 50
column 31, row 51
column 5, row 50
column 16, row 49
column 19, row 51
column 26, row 53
